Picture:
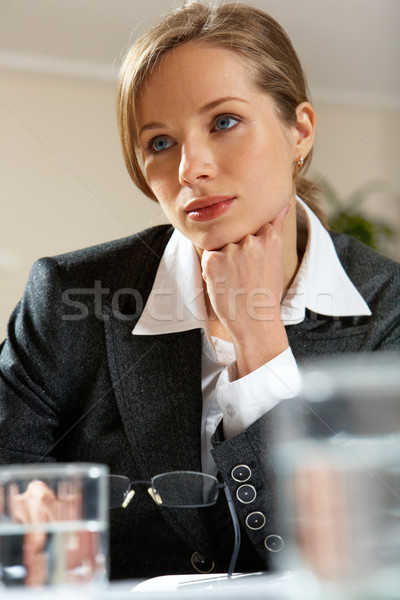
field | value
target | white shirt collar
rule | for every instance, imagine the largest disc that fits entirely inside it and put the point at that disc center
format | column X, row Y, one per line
column 321, row 284
column 176, row 301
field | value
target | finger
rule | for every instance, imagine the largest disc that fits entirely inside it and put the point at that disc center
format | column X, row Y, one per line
column 204, row 260
column 17, row 506
column 281, row 215
column 40, row 502
column 82, row 550
column 276, row 221
column 34, row 543
column 36, row 569
column 69, row 501
column 25, row 509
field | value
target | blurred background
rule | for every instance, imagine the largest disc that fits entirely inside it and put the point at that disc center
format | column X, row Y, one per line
column 63, row 184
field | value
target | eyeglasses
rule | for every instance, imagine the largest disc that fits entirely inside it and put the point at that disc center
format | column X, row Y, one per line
column 178, row 489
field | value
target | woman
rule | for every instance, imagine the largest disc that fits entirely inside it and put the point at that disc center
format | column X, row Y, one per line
column 168, row 350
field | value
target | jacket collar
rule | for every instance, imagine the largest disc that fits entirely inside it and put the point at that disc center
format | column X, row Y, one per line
column 321, row 284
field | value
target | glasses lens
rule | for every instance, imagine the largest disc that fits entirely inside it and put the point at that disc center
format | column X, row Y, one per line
column 118, row 490
column 185, row 489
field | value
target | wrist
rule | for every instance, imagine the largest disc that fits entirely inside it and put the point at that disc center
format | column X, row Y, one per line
column 247, row 327
column 254, row 351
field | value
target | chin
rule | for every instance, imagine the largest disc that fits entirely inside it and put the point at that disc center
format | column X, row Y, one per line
column 215, row 243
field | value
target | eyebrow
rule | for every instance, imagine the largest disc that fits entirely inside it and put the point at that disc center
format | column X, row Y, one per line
column 202, row 110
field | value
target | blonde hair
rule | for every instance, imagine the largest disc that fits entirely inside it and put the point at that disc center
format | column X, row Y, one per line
column 253, row 34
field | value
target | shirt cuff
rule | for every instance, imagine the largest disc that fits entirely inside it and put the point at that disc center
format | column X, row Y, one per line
column 243, row 401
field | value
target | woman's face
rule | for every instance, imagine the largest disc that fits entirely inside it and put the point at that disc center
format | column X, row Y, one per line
column 215, row 152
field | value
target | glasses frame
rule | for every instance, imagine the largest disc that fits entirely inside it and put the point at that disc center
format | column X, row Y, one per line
column 152, row 491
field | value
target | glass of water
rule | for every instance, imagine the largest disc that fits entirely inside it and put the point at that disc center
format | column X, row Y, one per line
column 337, row 461
column 53, row 524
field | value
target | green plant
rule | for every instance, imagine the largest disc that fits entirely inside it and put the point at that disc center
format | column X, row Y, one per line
column 346, row 216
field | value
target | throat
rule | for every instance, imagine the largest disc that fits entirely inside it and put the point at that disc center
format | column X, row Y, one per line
column 216, row 329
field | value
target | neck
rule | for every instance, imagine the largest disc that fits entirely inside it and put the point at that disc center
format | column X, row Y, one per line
column 292, row 258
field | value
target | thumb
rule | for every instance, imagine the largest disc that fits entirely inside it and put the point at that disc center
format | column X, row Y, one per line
column 280, row 217
column 204, row 259
column 277, row 221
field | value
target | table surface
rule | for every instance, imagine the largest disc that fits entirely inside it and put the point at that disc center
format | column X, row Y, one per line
column 250, row 586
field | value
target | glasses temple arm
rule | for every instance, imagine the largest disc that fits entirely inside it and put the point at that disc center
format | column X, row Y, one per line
column 236, row 528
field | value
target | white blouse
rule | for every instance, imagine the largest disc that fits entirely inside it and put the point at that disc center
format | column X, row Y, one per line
column 176, row 303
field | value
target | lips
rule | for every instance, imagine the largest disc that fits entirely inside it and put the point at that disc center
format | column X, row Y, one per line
column 209, row 207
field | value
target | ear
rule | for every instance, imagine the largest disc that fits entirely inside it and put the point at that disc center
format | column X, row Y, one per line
column 304, row 130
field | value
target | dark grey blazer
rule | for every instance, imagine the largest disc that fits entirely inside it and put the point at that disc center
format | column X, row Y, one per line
column 77, row 386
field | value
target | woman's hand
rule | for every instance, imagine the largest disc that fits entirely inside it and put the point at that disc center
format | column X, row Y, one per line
column 40, row 505
column 245, row 283
column 37, row 505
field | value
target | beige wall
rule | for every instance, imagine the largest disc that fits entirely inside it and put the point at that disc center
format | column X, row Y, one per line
column 358, row 145
column 63, row 184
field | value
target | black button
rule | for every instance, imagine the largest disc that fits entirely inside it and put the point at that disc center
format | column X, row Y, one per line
column 241, row 473
column 255, row 520
column 274, row 543
column 201, row 563
column 246, row 493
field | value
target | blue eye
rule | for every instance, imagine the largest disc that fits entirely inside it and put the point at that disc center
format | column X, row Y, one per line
column 159, row 143
column 225, row 122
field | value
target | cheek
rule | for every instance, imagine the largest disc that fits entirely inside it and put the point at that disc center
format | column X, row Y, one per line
column 156, row 181
column 271, row 160
column 165, row 196
column 162, row 179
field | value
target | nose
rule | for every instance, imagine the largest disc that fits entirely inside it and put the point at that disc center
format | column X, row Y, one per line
column 197, row 163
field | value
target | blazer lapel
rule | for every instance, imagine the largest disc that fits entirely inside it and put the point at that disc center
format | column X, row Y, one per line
column 157, row 386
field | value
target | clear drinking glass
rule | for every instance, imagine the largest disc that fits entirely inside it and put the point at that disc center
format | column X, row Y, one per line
column 53, row 524
column 337, row 462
